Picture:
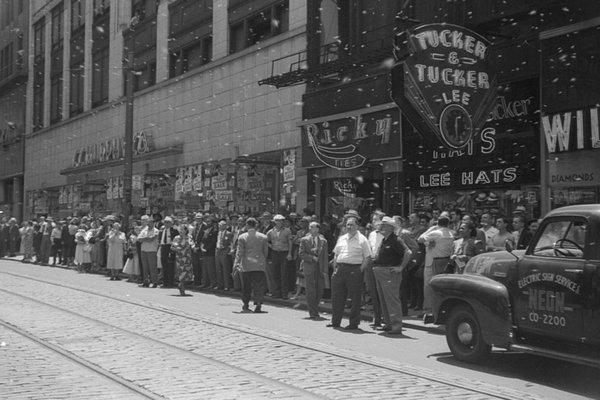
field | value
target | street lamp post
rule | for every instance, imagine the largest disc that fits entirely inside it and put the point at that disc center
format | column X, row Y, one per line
column 128, row 166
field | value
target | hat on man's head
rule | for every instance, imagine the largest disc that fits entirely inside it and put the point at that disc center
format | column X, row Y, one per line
column 198, row 215
column 168, row 219
column 145, row 217
column 266, row 214
column 520, row 209
column 278, row 217
column 352, row 214
column 388, row 221
column 110, row 218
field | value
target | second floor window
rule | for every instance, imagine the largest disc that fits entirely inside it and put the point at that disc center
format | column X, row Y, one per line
column 249, row 27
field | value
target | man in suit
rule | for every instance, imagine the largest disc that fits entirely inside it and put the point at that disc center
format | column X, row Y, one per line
column 522, row 236
column 208, row 246
column 167, row 256
column 250, row 263
column 315, row 266
column 198, row 228
column 223, row 261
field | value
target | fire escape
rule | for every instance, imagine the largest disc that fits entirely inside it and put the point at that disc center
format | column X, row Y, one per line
column 334, row 60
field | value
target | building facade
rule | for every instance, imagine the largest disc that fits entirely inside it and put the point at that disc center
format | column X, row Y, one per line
column 206, row 135
column 14, row 33
column 364, row 143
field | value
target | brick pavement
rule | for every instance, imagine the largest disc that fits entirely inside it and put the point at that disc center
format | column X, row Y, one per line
column 312, row 368
column 31, row 371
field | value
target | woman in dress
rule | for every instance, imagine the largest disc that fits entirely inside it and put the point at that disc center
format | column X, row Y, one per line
column 70, row 241
column 97, row 234
column 83, row 249
column 115, row 241
column 132, row 265
column 22, row 230
column 27, row 242
column 182, row 246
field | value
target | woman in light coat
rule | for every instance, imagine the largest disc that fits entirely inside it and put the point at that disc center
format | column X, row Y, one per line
column 115, row 241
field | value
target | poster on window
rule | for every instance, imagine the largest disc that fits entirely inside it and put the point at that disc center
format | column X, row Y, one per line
column 289, row 165
column 197, row 181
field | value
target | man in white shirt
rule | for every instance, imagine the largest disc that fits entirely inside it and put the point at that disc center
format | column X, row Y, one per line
column 439, row 243
column 487, row 227
column 352, row 253
column 148, row 238
column 375, row 238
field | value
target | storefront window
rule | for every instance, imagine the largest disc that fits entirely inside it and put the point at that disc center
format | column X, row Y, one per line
column 498, row 202
column 561, row 197
column 339, row 195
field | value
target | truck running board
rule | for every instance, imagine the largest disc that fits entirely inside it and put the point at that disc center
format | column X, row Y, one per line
column 592, row 362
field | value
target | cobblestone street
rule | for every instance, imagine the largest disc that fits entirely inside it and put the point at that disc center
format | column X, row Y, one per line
column 88, row 339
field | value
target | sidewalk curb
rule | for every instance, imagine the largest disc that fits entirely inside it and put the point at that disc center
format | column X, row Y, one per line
column 298, row 305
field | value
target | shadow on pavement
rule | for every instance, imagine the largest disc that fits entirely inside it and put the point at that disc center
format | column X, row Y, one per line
column 561, row 375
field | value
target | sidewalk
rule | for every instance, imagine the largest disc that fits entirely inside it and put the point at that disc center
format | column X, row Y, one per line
column 412, row 321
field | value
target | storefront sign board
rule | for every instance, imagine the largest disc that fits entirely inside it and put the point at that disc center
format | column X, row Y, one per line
column 348, row 143
column 111, row 149
column 574, row 169
column 448, row 79
column 506, row 152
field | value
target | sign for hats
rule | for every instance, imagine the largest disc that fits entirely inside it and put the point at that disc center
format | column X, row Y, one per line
column 447, row 80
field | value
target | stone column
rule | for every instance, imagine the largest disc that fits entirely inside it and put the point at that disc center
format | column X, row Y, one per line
column 162, row 41
column 220, row 29
column 66, row 75
column 120, row 15
column 47, row 65
column 87, row 58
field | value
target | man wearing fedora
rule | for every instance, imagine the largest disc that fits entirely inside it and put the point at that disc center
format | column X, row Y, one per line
column 391, row 259
column 198, row 228
column 167, row 255
column 208, row 245
column 280, row 243
column 315, row 266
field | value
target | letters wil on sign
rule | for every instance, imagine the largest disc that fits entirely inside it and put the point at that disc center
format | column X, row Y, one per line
column 449, row 81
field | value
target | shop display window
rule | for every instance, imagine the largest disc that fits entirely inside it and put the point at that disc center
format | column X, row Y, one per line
column 561, row 197
column 339, row 195
column 498, row 202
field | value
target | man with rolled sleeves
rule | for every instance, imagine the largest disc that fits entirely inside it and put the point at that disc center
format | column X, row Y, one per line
column 352, row 253
column 391, row 259
column 280, row 243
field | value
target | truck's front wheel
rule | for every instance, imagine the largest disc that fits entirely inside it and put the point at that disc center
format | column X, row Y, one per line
column 463, row 334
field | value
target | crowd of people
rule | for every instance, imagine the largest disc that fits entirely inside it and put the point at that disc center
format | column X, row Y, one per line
column 387, row 261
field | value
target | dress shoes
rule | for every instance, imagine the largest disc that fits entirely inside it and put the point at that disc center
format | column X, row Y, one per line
column 246, row 309
column 351, row 327
column 257, row 309
column 333, row 325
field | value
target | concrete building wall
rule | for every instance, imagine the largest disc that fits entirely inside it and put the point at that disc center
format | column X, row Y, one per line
column 213, row 110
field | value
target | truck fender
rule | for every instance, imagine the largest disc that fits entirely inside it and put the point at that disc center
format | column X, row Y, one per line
column 487, row 298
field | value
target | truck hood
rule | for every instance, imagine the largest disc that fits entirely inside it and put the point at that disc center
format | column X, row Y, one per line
column 494, row 265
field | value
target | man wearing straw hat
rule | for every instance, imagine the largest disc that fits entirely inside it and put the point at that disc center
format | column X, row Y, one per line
column 391, row 259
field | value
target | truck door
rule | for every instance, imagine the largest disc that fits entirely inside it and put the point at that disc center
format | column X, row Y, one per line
column 550, row 299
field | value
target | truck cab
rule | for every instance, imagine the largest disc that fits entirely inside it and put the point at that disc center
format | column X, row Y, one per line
column 544, row 300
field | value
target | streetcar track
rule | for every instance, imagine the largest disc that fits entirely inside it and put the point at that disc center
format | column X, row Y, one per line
column 353, row 358
column 254, row 375
column 82, row 362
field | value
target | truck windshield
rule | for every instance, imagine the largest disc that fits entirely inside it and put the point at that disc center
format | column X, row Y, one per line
column 562, row 239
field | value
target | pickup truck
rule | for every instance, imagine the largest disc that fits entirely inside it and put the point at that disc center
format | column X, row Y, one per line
column 543, row 300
